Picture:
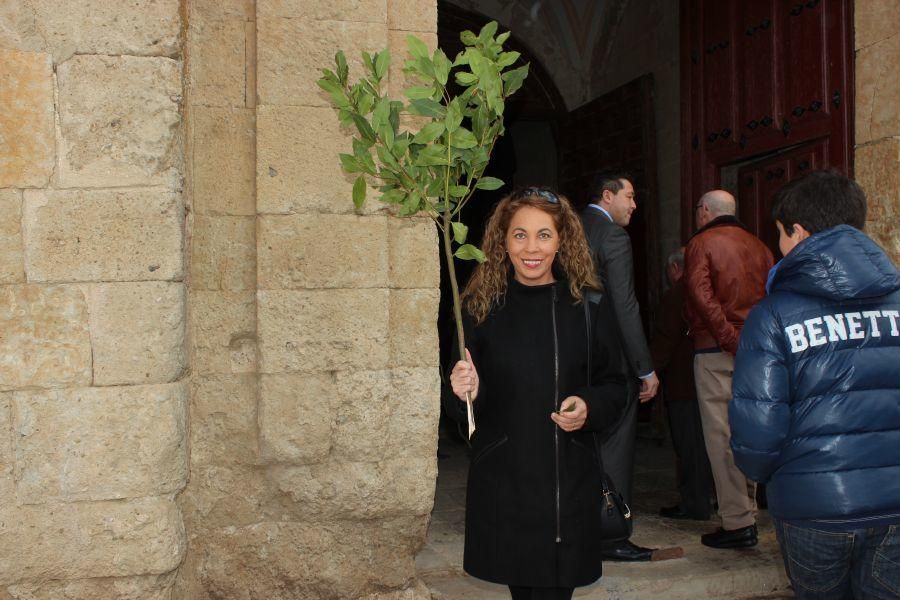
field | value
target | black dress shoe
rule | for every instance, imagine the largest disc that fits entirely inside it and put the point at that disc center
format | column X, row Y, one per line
column 676, row 512
column 733, row 538
column 625, row 551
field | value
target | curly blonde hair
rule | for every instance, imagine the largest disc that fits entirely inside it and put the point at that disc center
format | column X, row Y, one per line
column 487, row 286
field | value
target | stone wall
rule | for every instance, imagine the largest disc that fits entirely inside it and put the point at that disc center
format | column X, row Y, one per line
column 877, row 157
column 93, row 396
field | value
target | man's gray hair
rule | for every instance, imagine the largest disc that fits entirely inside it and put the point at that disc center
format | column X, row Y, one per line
column 719, row 202
column 676, row 257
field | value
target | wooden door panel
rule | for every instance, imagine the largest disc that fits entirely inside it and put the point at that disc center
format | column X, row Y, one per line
column 718, row 73
column 756, row 69
column 806, row 57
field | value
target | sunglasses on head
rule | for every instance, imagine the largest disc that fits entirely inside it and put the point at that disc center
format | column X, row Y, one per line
column 544, row 193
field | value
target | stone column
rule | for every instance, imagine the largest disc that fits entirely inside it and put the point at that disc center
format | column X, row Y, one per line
column 877, row 156
column 92, row 299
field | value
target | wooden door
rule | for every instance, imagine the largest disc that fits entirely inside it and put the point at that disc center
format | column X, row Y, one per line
column 760, row 79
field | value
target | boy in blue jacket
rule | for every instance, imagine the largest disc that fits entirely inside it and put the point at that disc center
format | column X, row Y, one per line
column 815, row 412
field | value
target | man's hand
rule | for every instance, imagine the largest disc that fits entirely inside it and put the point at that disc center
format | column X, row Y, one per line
column 649, row 387
column 572, row 414
column 464, row 378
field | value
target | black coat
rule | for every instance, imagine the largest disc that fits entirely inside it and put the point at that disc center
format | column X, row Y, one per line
column 515, row 534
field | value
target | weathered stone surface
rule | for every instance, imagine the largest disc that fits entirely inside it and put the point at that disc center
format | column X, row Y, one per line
column 103, row 235
column 296, row 417
column 323, row 251
column 7, row 451
column 137, row 331
column 221, row 9
column 223, row 254
column 371, row 11
column 415, row 402
column 100, row 443
column 12, row 262
column 362, row 408
column 878, row 172
column 292, row 53
column 44, row 337
column 119, row 121
column 89, row 539
column 306, row 560
column 416, row 590
column 297, row 167
column 322, row 330
column 223, row 420
column 878, row 91
column 223, row 332
column 398, row 80
column 89, row 27
column 413, row 15
column 224, row 168
column 874, row 20
column 361, row 490
column 413, row 331
column 148, row 587
column 224, row 496
column 414, row 253
column 28, row 149
column 218, row 63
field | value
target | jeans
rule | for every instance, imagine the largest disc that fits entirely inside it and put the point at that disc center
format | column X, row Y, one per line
column 826, row 565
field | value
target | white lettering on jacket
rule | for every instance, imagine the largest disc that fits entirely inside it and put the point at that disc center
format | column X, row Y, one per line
column 841, row 327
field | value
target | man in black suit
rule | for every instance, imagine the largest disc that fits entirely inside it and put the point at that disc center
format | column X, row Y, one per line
column 612, row 202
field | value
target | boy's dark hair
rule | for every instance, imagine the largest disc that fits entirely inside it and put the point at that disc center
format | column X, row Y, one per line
column 611, row 181
column 820, row 200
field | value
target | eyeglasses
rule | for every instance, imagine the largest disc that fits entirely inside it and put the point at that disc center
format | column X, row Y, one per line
column 544, row 193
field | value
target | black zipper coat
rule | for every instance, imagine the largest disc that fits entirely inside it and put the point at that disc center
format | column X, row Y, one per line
column 533, row 499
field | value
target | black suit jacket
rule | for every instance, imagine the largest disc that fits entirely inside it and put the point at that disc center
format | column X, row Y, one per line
column 611, row 249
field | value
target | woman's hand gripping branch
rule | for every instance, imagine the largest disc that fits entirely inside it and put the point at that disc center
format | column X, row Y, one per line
column 464, row 379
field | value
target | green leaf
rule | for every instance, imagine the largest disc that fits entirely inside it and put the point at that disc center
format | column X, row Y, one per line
column 410, row 204
column 489, row 183
column 508, row 58
column 429, row 133
column 387, row 134
column 458, row 191
column 460, row 231
column 469, row 252
column 427, row 108
column 465, row 78
column 366, row 102
column 369, row 63
column 463, row 138
column 503, row 37
column 432, row 156
column 417, row 48
column 514, row 79
column 442, row 66
column 487, row 32
column 382, row 62
column 359, row 192
column 419, row 92
column 454, row 115
column 350, row 164
column 362, row 125
column 393, row 196
column 385, row 156
column 342, row 69
column 382, row 113
column 468, row 38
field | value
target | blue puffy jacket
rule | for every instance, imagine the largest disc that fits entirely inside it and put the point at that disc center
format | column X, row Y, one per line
column 815, row 412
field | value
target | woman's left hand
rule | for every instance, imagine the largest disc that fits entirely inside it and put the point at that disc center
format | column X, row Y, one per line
column 572, row 414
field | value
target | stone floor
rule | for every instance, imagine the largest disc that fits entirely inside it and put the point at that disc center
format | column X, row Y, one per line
column 702, row 573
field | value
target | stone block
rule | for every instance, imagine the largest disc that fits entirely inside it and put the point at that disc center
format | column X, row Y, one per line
column 877, row 91
column 222, row 9
column 874, row 21
column 415, row 248
column 148, row 587
column 224, row 420
column 298, row 169
column 303, row 331
column 80, row 540
column 292, row 53
column 137, row 331
column 368, row 11
column 362, row 413
column 102, row 235
column 119, row 119
column 346, row 559
column 323, row 251
column 44, row 337
column 223, row 332
column 82, row 444
column 361, row 490
column 398, row 80
column 413, row 328
column 415, row 404
column 28, row 151
column 224, row 496
column 413, row 15
column 296, row 417
column 877, row 169
column 7, row 451
column 92, row 27
column 12, row 262
column 224, row 164
column 223, row 254
column 218, row 62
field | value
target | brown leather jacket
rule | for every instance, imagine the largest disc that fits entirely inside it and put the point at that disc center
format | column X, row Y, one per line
column 725, row 275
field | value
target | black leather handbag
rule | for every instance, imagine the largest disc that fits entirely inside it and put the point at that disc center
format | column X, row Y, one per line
column 615, row 517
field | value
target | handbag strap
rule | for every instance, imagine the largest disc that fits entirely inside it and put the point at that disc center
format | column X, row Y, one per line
column 595, row 298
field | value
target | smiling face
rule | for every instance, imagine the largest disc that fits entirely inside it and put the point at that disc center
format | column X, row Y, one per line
column 531, row 242
column 621, row 204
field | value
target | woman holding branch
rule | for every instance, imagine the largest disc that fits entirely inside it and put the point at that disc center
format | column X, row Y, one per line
column 534, row 495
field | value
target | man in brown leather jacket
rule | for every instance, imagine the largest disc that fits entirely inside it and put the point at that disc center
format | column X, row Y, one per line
column 725, row 275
